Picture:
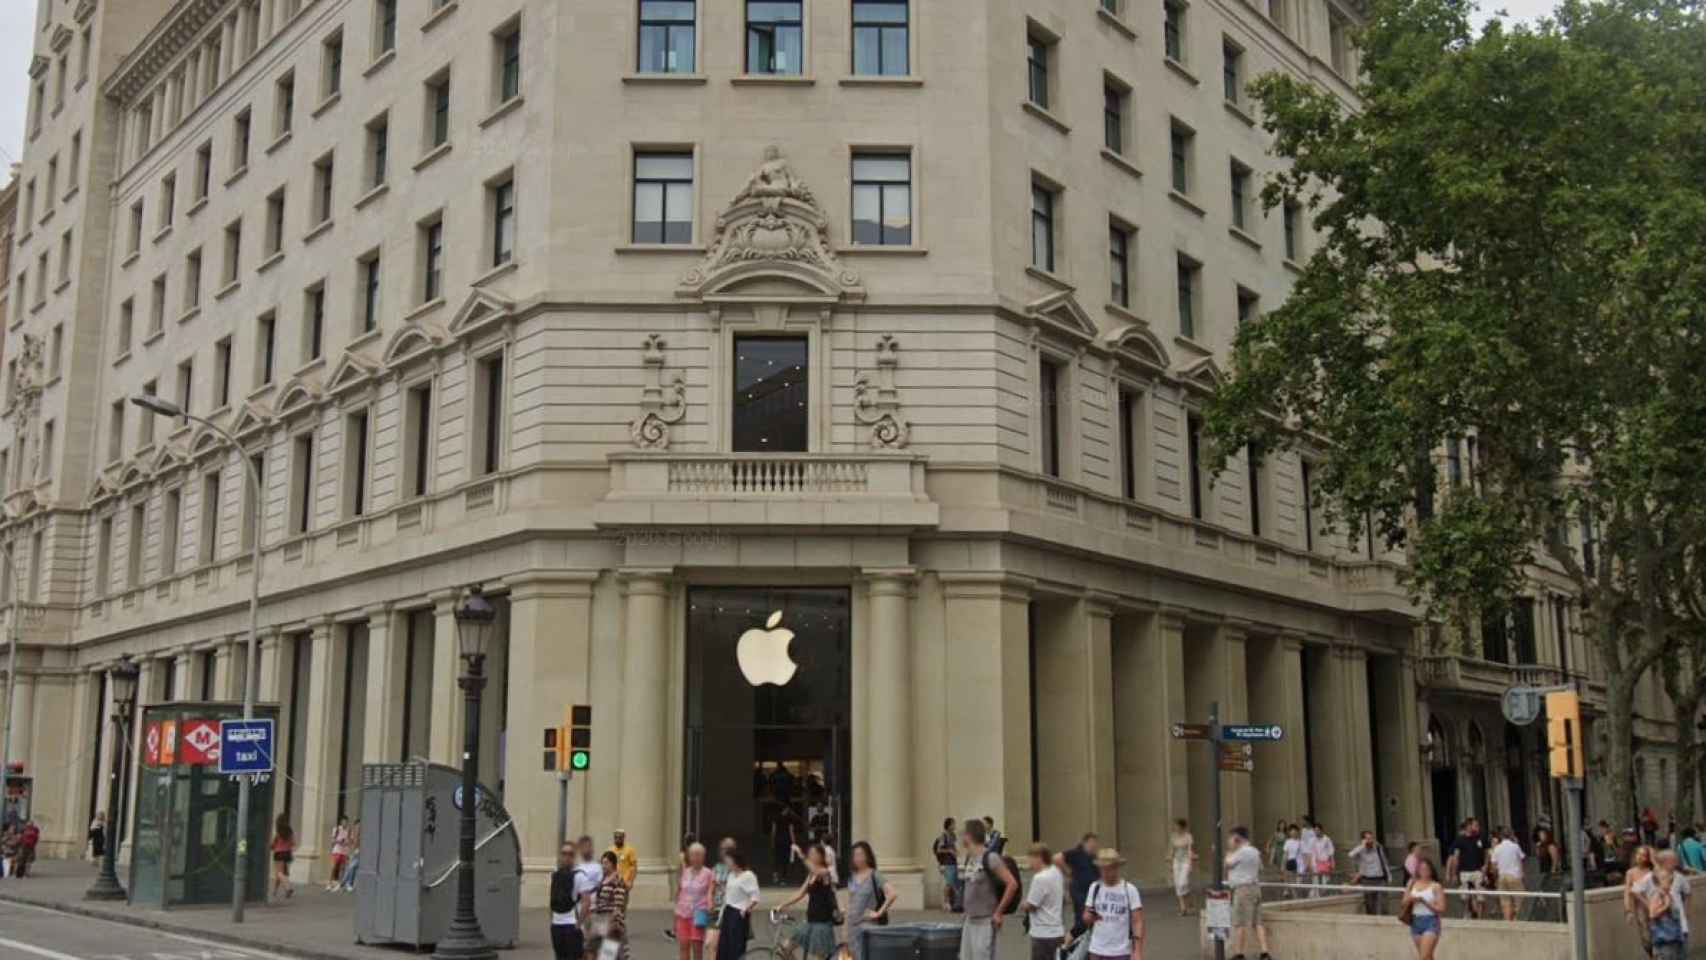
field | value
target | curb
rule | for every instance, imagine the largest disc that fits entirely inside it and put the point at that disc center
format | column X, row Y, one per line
column 165, row 926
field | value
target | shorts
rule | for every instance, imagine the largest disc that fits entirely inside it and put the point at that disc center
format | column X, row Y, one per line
column 567, row 941
column 1670, row 951
column 977, row 940
column 686, row 932
column 1424, row 924
column 281, row 856
column 1246, row 906
column 1471, row 879
column 1046, row 948
column 338, row 861
column 1510, row 883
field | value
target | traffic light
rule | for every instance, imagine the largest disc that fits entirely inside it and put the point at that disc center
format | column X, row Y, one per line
column 554, row 749
column 1564, row 733
column 580, row 738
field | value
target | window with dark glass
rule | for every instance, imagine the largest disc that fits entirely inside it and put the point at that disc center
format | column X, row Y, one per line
column 1231, row 71
column 1128, row 443
column 1049, row 411
column 302, row 484
column 771, row 395
column 880, row 45
column 775, row 34
column 386, row 26
column 1173, row 30
column 1193, row 443
column 488, row 415
column 1113, row 116
column 438, row 111
column 370, row 293
column 1042, row 227
column 667, row 36
column 509, row 65
column 1293, row 241
column 882, row 199
column 1119, row 264
column 265, row 334
column 1253, row 484
column 1187, row 286
column 378, row 149
column 663, row 198
column 1179, row 150
column 432, row 261
column 503, row 223
column 314, row 331
column 1036, row 60
column 1306, row 471
column 418, row 440
column 1248, row 301
column 1240, row 179
column 355, row 463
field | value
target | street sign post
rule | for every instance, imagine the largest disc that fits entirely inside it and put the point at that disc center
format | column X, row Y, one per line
column 246, row 746
column 1253, row 732
column 1238, row 757
column 1193, row 731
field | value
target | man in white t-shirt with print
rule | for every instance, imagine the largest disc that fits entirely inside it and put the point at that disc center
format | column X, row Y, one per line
column 1507, row 860
column 1243, row 877
column 1114, row 912
column 1044, row 904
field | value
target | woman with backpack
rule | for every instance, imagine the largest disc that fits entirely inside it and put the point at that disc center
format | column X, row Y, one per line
column 869, row 897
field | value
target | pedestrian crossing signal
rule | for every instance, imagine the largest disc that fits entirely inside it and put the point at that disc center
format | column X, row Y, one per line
column 1564, row 733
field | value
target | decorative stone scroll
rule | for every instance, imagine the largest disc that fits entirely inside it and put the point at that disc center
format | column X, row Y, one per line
column 661, row 406
column 876, row 406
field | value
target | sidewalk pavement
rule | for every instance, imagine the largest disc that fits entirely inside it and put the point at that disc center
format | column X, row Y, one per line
column 316, row 925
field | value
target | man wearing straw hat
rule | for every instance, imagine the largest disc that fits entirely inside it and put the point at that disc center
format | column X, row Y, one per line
column 1113, row 911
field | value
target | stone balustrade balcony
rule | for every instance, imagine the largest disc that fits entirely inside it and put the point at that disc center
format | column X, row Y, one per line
column 750, row 489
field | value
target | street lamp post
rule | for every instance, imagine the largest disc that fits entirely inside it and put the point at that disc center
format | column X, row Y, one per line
column 240, row 862
column 121, row 681
column 464, row 940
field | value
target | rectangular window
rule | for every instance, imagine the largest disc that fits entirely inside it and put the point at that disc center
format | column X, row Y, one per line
column 209, row 546
column 203, row 171
column 507, row 51
column 85, row 45
column 75, row 162
column 242, row 127
column 266, row 330
column 65, row 245
column 667, row 36
column 136, row 227
column 1306, row 479
column 1048, row 404
column 1173, row 30
column 332, row 66
column 771, row 395
column 1129, row 441
column 252, row 515
column 1454, row 461
column 1232, row 71
column 1197, row 476
column 47, row 446
column 775, row 31
column 152, row 389
column 126, row 325
column 1037, row 50
column 1115, row 99
column 880, row 42
column 284, row 104
column 302, row 483
column 355, row 463
column 275, row 222
column 168, row 199
column 502, row 199
column 663, row 198
column 104, row 559
column 192, row 280
column 1249, row 306
column 1240, row 180
column 323, row 183
column 378, row 149
column 135, row 535
column 52, row 183
column 233, row 251
column 171, row 518
column 115, row 432
column 370, row 276
column 1189, row 273
column 1042, row 227
column 1181, row 142
column 1254, row 468
column 1119, row 264
column 1338, row 42
column 55, row 355
column 882, row 199
column 222, row 373
column 313, row 322
column 36, row 562
column 488, row 414
column 417, row 439
column 432, row 260
column 157, row 305
column 384, row 27
column 438, row 110
column 1293, row 217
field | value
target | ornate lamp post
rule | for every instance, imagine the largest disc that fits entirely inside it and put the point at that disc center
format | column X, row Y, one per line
column 474, row 619
column 121, row 680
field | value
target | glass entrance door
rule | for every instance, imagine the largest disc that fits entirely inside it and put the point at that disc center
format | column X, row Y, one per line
column 768, row 710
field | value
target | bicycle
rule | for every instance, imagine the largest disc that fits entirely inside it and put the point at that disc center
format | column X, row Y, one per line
column 782, row 945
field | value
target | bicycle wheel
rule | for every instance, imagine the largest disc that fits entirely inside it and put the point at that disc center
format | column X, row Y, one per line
column 764, row 952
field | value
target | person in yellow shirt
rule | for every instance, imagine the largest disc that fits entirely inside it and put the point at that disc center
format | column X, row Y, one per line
column 627, row 858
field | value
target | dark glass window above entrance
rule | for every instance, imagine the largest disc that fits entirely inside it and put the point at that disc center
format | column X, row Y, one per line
column 771, row 405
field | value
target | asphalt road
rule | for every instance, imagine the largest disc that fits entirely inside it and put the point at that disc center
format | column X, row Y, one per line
column 28, row 933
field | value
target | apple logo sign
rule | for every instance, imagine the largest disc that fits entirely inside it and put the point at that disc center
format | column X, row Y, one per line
column 763, row 654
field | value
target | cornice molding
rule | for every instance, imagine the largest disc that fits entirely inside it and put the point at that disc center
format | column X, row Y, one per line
column 162, row 45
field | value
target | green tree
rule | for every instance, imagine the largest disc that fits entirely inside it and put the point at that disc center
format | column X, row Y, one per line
column 1508, row 230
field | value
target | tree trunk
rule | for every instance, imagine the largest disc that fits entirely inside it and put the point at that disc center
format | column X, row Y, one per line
column 1619, row 713
column 1687, row 760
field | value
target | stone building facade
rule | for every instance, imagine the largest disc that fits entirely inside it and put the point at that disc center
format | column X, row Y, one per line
column 656, row 319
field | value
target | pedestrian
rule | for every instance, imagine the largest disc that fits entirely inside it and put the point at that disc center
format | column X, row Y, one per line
column 340, row 853
column 8, row 849
column 1663, row 900
column 1045, row 904
column 1294, row 859
column 1424, row 906
column 784, row 844
column 740, row 896
column 348, row 885
column 1692, row 851
column 1244, row 878
column 569, row 889
column 816, row 939
column 693, row 904
column 609, row 921
column 1634, row 910
column 627, row 858
column 945, row 850
column 1507, row 860
column 1181, row 859
column 1323, row 857
column 1115, row 912
column 98, row 837
column 1276, row 846
column 869, row 897
column 1412, row 857
column 1306, row 854
column 828, row 844
column 997, row 842
column 1467, row 864
column 720, row 871
column 27, row 840
column 1547, row 854
column 1368, row 861
column 283, row 852
column 991, row 890
column 687, row 840
column 1081, row 865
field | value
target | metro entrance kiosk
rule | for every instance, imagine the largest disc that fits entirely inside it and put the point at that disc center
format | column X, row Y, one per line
column 182, row 848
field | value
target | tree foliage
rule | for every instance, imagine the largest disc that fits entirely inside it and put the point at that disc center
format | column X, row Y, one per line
column 1509, row 227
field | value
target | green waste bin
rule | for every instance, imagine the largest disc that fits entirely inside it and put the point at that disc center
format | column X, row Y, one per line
column 913, row 941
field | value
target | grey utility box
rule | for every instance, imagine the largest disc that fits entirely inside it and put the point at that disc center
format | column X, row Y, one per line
column 405, row 880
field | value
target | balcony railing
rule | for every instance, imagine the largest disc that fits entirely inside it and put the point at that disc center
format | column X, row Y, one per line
column 743, row 489
column 767, row 476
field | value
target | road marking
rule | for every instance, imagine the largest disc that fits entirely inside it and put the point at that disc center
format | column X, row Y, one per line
column 38, row 951
column 212, row 950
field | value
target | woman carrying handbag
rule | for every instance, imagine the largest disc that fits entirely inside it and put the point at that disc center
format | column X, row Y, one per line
column 693, row 904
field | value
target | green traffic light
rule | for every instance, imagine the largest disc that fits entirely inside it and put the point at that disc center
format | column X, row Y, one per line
column 580, row 760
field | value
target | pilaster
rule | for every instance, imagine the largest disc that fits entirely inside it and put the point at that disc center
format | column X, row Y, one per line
column 383, row 739
column 1151, row 768
column 326, row 666
column 447, row 719
column 646, row 758
column 989, row 764
column 890, row 754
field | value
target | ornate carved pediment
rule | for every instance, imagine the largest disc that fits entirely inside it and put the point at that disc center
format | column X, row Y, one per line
column 772, row 242
column 481, row 307
column 251, row 417
column 1203, row 374
column 412, row 342
column 1138, row 342
column 300, row 393
column 352, row 372
column 1061, row 311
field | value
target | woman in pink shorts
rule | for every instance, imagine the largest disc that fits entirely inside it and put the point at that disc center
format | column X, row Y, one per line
column 693, row 904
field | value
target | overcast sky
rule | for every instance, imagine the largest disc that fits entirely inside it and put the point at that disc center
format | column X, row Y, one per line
column 17, row 35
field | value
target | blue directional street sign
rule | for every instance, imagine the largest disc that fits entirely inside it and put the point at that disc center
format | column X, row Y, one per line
column 1252, row 732
column 245, row 746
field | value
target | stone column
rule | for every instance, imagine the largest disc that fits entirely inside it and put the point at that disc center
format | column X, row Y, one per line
column 104, row 785
column 22, row 710
column 1075, row 719
column 645, row 717
column 192, row 669
column 82, row 776
column 447, row 719
column 1281, row 781
column 225, row 683
column 270, row 684
column 320, row 752
column 147, row 687
column 1231, row 639
column 550, row 638
column 386, row 661
column 890, row 754
column 1338, row 707
column 989, row 729
column 1151, row 768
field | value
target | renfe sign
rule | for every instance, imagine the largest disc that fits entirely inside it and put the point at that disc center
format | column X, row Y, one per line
column 245, row 746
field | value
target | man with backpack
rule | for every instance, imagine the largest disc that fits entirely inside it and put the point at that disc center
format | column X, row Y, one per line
column 1114, row 912
column 991, row 892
